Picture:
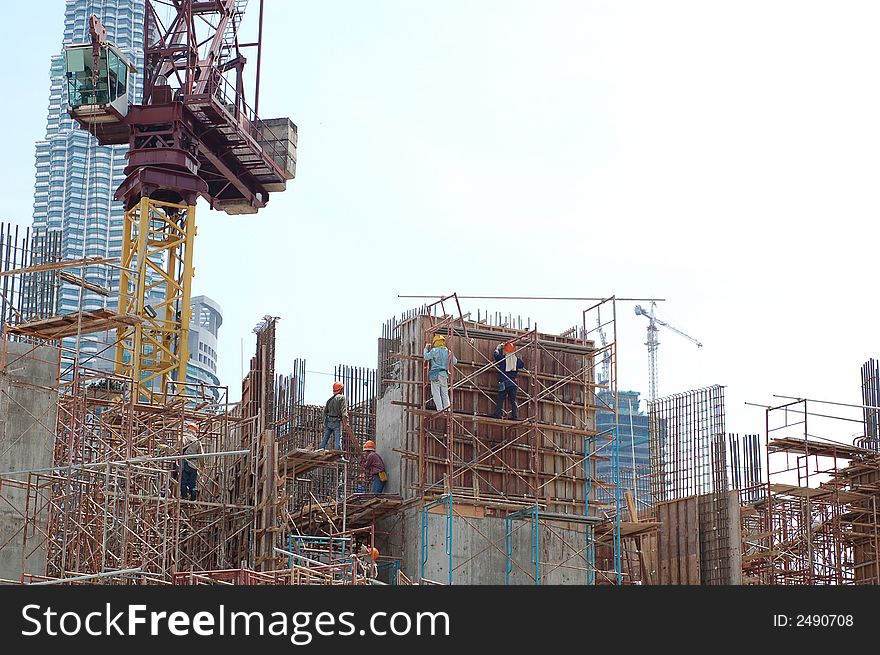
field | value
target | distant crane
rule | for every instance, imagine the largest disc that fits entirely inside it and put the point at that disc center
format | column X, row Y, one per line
column 605, row 372
column 652, row 344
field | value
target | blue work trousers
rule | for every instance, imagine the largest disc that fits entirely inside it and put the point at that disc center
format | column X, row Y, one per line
column 506, row 390
column 332, row 428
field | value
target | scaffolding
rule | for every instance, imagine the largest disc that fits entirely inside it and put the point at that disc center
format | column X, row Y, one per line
column 814, row 521
column 110, row 501
column 475, row 497
column 468, row 465
column 30, row 274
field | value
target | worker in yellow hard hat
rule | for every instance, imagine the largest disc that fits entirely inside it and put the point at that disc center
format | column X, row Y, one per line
column 335, row 415
column 438, row 354
column 508, row 364
column 373, row 467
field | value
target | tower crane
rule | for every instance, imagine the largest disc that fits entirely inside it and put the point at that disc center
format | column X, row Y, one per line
column 653, row 343
column 604, row 375
column 192, row 135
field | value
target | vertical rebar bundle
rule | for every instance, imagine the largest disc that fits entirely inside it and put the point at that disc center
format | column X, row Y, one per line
column 28, row 295
column 687, row 444
column 871, row 401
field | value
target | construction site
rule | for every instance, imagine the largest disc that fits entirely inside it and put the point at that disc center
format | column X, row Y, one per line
column 89, row 493
column 90, row 446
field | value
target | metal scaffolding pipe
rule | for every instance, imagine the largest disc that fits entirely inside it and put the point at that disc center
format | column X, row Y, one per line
column 90, row 576
column 133, row 460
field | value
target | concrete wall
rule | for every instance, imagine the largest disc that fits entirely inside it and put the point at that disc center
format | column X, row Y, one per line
column 28, row 405
column 390, row 436
column 478, row 549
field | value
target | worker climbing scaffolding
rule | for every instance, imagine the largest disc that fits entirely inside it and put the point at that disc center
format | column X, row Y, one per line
column 508, row 364
column 439, row 356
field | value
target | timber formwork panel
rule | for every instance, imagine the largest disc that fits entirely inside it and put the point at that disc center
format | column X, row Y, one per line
column 679, row 542
column 539, row 456
column 861, row 519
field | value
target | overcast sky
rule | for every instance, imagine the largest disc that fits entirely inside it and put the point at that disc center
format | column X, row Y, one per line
column 723, row 156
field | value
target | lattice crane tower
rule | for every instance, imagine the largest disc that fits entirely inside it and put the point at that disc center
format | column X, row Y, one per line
column 653, row 343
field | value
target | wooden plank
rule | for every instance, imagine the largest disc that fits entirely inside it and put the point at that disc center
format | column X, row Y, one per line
column 678, row 542
column 65, row 325
column 633, row 511
column 631, row 506
column 693, row 542
column 663, row 543
column 679, row 515
column 649, row 547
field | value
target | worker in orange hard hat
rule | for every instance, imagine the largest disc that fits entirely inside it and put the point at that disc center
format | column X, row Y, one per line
column 335, row 415
column 508, row 364
column 367, row 557
column 374, row 568
column 374, row 467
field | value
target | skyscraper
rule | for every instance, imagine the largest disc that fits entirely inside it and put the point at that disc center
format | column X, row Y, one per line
column 633, row 431
column 207, row 317
column 76, row 178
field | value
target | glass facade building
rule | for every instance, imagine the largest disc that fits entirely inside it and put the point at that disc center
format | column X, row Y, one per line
column 207, row 317
column 76, row 178
column 635, row 459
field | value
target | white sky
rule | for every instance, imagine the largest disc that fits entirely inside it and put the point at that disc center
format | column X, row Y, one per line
column 723, row 156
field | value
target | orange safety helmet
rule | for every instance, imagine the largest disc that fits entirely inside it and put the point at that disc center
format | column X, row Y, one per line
column 374, row 553
column 369, row 444
column 509, row 347
column 337, row 387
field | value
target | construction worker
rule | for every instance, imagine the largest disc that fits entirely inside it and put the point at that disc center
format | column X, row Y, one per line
column 374, row 563
column 374, row 467
column 335, row 415
column 367, row 557
column 437, row 353
column 508, row 364
column 189, row 468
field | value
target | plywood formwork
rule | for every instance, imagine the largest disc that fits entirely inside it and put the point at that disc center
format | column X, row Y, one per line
column 541, row 465
column 861, row 520
column 468, row 452
column 679, row 542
